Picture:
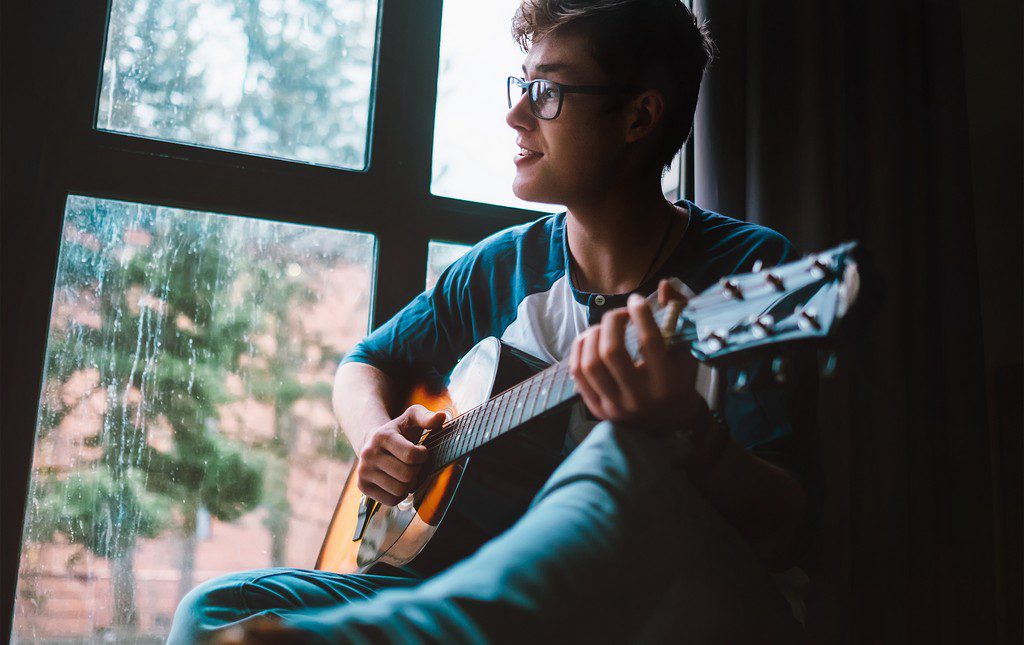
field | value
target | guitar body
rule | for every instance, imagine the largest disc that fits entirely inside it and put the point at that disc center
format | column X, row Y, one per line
column 466, row 503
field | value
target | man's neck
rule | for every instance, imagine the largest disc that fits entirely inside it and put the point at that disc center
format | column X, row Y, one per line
column 614, row 240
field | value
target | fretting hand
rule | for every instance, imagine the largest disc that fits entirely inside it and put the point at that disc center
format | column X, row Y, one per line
column 655, row 392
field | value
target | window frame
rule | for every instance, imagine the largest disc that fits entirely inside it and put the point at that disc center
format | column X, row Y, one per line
column 51, row 149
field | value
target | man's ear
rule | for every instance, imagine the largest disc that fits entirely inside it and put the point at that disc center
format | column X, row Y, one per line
column 644, row 114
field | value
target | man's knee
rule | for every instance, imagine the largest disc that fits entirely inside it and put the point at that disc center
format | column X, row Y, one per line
column 615, row 461
column 213, row 602
column 620, row 455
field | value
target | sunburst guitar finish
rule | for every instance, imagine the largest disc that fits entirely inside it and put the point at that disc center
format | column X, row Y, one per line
column 492, row 494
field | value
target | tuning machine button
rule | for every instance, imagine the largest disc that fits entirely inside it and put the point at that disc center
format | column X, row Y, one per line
column 717, row 339
column 763, row 327
column 808, row 319
column 732, row 289
column 821, row 267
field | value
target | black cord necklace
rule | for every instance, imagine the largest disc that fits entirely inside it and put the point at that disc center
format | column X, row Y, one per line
column 657, row 254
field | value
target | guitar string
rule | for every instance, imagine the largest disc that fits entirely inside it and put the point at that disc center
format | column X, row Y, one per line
column 707, row 303
column 450, row 428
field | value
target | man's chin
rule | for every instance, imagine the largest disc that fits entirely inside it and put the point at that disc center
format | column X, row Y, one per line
column 530, row 193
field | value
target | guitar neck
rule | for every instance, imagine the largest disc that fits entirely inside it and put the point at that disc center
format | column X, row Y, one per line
column 533, row 397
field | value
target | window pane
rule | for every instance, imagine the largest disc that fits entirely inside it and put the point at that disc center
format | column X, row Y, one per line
column 473, row 146
column 439, row 256
column 281, row 79
column 185, row 428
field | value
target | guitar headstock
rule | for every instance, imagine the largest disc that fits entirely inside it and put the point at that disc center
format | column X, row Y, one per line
column 762, row 310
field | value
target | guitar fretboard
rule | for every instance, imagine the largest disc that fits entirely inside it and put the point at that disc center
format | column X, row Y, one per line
column 517, row 405
column 726, row 317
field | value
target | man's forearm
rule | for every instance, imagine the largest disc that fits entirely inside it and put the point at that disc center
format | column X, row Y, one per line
column 765, row 503
column 363, row 400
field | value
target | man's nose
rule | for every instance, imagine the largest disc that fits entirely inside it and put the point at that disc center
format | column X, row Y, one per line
column 519, row 115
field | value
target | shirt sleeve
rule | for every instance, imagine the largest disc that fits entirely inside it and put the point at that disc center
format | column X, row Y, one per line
column 425, row 339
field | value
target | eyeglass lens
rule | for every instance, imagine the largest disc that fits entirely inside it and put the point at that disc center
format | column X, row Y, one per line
column 544, row 97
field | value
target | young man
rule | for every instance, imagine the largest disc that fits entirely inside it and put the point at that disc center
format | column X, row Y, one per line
column 622, row 541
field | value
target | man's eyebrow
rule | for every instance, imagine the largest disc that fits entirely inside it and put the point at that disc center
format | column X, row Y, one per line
column 550, row 67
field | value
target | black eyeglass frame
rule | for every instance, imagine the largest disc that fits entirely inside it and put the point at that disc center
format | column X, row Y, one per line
column 524, row 85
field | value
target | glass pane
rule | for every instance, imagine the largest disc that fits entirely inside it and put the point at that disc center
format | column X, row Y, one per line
column 281, row 79
column 185, row 428
column 672, row 180
column 473, row 146
column 439, row 256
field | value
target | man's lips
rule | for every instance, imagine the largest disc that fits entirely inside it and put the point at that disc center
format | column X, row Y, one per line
column 525, row 154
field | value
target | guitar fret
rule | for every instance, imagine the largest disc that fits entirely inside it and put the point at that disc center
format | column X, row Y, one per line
column 519, row 408
column 522, row 399
column 545, row 391
column 486, row 421
column 548, row 382
column 441, row 453
column 565, row 385
column 473, row 427
column 505, row 414
column 453, row 443
column 473, row 432
column 536, row 394
column 492, row 423
column 507, row 411
column 464, row 439
column 528, row 388
column 457, row 438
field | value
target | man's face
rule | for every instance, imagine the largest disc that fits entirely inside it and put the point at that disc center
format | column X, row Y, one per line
column 582, row 147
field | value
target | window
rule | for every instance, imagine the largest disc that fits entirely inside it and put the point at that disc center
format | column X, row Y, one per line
column 473, row 146
column 207, row 92
column 185, row 428
column 281, row 79
column 439, row 256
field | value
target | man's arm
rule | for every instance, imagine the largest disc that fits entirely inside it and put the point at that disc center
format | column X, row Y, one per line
column 363, row 400
column 764, row 502
column 390, row 458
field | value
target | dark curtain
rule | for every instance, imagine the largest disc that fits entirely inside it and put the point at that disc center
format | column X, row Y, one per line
column 832, row 120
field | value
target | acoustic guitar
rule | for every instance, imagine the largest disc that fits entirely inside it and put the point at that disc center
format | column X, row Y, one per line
column 507, row 415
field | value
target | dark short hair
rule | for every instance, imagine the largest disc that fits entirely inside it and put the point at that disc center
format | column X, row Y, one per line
column 655, row 44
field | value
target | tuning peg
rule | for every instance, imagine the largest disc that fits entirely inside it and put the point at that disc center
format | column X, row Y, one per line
column 774, row 280
column 763, row 326
column 821, row 267
column 732, row 289
column 780, row 369
column 717, row 339
column 808, row 319
column 758, row 264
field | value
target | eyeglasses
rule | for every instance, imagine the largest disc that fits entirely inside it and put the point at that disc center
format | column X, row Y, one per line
column 546, row 96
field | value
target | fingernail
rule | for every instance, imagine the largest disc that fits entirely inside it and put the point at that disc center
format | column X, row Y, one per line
column 635, row 299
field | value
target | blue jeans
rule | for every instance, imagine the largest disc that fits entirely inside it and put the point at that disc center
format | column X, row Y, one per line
column 617, row 546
